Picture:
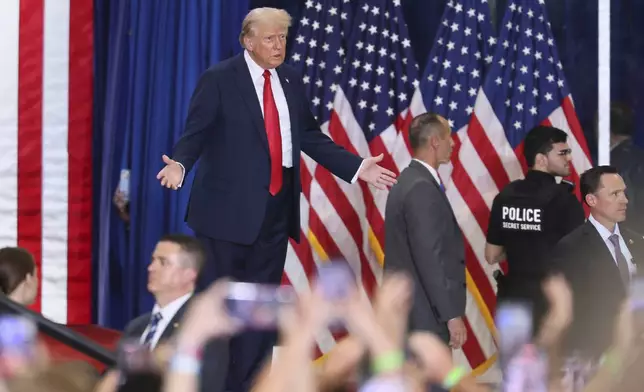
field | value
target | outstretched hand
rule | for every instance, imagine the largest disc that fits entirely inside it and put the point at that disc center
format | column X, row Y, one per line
column 376, row 175
column 171, row 175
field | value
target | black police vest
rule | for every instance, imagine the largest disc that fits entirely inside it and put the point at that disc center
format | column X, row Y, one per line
column 529, row 226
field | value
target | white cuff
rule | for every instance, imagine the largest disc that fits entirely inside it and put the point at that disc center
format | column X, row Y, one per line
column 355, row 177
column 183, row 176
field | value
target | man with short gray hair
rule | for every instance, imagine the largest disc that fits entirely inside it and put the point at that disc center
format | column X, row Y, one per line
column 423, row 238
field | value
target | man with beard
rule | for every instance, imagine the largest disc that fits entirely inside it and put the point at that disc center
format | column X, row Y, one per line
column 529, row 216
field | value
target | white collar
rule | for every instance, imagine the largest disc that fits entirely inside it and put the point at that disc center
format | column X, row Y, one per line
column 168, row 311
column 602, row 230
column 256, row 72
column 431, row 170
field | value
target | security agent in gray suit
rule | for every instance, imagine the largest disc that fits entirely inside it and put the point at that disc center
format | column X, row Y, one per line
column 423, row 238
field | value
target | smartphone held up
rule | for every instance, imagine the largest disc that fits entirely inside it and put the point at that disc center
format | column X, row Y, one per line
column 258, row 306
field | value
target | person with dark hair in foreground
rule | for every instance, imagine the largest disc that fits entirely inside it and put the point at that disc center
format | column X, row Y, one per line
column 599, row 259
column 18, row 277
column 530, row 216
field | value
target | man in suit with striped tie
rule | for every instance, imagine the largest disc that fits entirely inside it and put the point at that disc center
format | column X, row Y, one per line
column 600, row 259
column 172, row 275
column 176, row 263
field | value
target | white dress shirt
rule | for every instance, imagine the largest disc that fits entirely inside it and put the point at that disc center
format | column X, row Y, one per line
column 431, row 170
column 257, row 75
column 167, row 314
column 605, row 234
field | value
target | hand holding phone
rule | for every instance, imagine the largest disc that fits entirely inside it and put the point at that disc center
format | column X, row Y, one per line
column 637, row 303
column 257, row 306
column 134, row 357
column 514, row 325
column 18, row 345
column 336, row 280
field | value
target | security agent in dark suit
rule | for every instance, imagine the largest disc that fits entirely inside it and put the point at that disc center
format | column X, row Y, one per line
column 248, row 122
column 172, row 275
column 599, row 259
column 422, row 236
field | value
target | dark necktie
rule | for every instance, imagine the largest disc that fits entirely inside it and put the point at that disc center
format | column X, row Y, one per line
column 622, row 264
column 152, row 328
column 442, row 187
column 272, row 125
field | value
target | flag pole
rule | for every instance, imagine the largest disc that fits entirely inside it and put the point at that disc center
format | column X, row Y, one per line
column 603, row 92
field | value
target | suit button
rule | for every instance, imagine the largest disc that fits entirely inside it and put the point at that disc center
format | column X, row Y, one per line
column 462, row 261
column 464, row 285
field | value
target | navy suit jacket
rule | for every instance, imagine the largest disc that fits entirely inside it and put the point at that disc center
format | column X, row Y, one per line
column 225, row 132
column 213, row 378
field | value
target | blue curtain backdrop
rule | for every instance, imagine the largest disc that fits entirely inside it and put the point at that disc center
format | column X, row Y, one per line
column 149, row 55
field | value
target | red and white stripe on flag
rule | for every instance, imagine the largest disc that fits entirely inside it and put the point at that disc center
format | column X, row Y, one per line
column 45, row 147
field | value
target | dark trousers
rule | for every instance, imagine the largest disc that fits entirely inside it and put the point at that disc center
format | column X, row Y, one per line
column 260, row 262
column 527, row 290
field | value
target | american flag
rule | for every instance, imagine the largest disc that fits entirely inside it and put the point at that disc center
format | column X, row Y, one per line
column 45, row 147
column 449, row 86
column 360, row 77
column 524, row 87
column 318, row 53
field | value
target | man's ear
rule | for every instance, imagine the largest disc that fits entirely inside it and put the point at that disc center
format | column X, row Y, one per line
column 434, row 140
column 248, row 43
column 591, row 200
column 541, row 160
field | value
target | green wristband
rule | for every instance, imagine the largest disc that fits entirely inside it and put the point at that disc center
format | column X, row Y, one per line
column 388, row 362
column 453, row 377
column 612, row 362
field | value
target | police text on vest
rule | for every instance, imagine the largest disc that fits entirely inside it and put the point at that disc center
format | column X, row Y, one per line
column 521, row 218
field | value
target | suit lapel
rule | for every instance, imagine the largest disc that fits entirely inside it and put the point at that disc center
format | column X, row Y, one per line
column 174, row 323
column 249, row 95
column 599, row 253
column 139, row 329
column 635, row 243
column 425, row 173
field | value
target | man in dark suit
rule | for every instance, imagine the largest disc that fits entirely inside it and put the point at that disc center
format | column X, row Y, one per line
column 172, row 275
column 599, row 259
column 422, row 236
column 248, row 121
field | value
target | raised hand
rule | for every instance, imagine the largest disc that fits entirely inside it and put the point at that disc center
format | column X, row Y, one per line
column 376, row 175
column 171, row 175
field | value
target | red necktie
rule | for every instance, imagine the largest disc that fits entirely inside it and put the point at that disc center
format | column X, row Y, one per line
column 272, row 125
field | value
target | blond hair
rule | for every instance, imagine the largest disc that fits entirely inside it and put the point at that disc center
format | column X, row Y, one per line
column 263, row 15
